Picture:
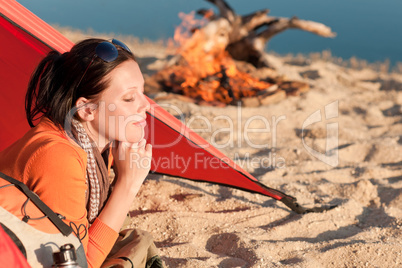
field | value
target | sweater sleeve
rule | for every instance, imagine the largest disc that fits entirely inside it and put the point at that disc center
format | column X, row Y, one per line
column 57, row 173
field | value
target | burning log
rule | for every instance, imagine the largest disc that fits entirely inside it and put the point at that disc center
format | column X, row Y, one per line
column 248, row 35
column 205, row 66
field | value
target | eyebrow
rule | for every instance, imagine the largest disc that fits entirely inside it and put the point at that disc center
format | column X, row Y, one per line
column 133, row 90
column 130, row 89
column 136, row 88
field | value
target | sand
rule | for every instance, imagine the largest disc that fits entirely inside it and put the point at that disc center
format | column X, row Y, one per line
column 205, row 225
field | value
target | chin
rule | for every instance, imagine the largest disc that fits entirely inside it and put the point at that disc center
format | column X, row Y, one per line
column 134, row 136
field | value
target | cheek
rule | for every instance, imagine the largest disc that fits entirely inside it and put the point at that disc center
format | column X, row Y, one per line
column 117, row 123
column 107, row 121
column 125, row 129
column 100, row 123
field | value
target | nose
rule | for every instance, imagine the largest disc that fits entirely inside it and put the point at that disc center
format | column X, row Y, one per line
column 144, row 104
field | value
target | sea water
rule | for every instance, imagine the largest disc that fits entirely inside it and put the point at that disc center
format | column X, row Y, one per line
column 366, row 29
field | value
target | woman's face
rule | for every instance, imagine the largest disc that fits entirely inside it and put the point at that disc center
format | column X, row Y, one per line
column 122, row 107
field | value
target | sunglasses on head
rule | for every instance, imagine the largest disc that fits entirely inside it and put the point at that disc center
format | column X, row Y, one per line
column 106, row 51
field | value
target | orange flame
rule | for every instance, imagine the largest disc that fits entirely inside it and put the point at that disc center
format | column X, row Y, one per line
column 208, row 74
column 189, row 23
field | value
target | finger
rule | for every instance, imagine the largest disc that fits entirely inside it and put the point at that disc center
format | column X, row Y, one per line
column 133, row 146
column 142, row 143
column 148, row 149
column 127, row 144
column 140, row 146
column 141, row 149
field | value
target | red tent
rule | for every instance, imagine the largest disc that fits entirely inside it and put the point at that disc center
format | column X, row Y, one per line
column 26, row 39
column 10, row 254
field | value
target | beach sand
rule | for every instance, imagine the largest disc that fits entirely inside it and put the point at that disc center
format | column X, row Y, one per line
column 205, row 225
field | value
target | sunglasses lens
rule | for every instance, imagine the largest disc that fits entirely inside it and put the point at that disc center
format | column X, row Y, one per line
column 106, row 51
column 121, row 44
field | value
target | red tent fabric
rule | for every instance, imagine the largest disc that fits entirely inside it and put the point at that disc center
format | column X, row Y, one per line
column 25, row 41
column 10, row 255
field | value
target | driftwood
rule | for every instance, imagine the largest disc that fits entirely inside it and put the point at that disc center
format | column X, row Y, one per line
column 206, row 66
column 247, row 36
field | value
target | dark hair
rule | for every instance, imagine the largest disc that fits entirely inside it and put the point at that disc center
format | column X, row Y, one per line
column 52, row 89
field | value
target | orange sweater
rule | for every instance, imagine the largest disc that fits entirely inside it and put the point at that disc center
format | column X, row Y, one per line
column 55, row 169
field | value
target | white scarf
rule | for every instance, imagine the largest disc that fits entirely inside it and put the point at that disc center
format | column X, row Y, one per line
column 92, row 176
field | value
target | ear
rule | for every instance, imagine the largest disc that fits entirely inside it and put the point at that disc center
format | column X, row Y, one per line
column 86, row 109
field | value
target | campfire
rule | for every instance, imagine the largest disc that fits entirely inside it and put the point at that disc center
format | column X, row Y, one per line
column 218, row 56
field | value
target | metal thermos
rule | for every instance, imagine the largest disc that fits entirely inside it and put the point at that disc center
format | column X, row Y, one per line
column 66, row 258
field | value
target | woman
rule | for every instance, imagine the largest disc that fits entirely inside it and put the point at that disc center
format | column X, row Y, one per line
column 89, row 108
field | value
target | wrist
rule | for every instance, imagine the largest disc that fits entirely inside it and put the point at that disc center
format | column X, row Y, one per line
column 127, row 185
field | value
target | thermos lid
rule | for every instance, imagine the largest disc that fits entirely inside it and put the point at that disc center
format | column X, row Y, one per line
column 66, row 256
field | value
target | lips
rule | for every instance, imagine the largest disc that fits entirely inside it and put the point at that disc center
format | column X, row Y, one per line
column 141, row 123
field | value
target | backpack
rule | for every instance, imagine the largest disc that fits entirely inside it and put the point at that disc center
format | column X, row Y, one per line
column 37, row 231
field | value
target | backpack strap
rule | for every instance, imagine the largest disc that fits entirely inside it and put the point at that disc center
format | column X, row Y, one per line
column 63, row 227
